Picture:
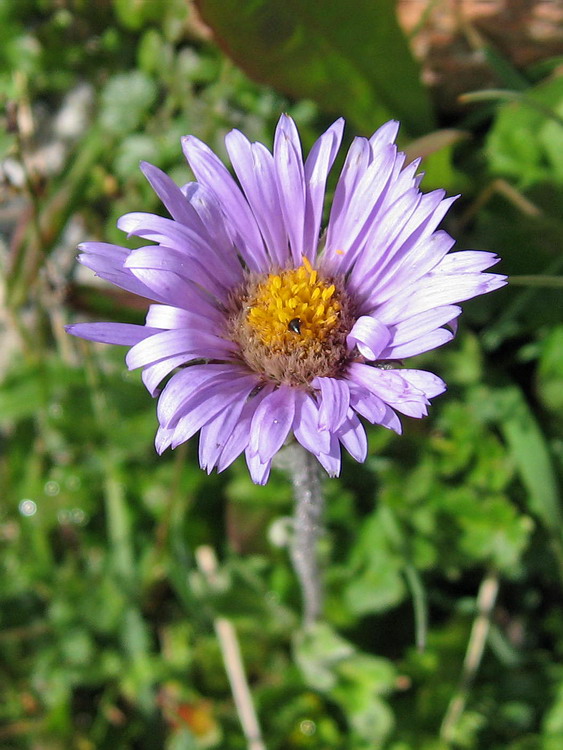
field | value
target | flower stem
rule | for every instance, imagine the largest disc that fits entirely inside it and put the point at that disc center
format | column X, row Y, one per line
column 307, row 521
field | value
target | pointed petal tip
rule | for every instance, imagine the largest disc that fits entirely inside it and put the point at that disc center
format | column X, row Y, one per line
column 161, row 441
column 149, row 170
column 494, row 281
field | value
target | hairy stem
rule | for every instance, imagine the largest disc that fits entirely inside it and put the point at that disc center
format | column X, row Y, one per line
column 307, row 520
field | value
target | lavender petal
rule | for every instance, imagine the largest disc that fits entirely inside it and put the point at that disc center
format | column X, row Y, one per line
column 123, row 334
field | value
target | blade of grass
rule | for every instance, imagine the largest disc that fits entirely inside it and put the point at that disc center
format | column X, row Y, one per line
column 486, row 598
column 134, row 635
column 506, row 95
column 420, row 605
column 49, row 216
column 539, row 280
column 232, row 658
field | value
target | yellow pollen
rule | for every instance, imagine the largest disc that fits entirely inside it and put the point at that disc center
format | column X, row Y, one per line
column 293, row 310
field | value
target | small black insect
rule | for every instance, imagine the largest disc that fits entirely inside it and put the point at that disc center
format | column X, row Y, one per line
column 294, row 325
column 255, row 391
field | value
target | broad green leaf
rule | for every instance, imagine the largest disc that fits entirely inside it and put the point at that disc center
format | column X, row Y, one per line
column 553, row 720
column 526, row 140
column 495, row 533
column 125, row 101
column 28, row 388
column 318, row 654
column 550, row 371
column 531, row 455
column 437, row 151
column 352, row 59
column 134, row 14
column 183, row 739
column 528, row 245
column 354, row 680
column 376, row 581
column 19, row 400
column 131, row 151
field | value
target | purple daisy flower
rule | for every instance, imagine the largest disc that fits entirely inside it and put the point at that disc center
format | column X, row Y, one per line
column 267, row 327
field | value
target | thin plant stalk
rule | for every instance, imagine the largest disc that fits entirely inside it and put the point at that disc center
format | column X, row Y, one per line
column 232, row 658
column 486, row 598
column 508, row 95
column 420, row 605
column 538, row 280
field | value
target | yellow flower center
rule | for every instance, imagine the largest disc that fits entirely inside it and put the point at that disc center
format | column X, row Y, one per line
column 293, row 310
column 291, row 326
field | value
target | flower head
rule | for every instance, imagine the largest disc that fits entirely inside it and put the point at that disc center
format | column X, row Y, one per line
column 266, row 328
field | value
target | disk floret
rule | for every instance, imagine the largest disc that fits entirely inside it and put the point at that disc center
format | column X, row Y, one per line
column 291, row 325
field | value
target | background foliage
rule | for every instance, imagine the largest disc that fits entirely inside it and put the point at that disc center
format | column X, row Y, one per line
column 443, row 552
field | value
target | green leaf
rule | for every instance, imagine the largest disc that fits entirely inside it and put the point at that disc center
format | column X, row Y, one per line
column 376, row 582
column 492, row 531
column 354, row 680
column 126, row 100
column 352, row 59
column 134, row 14
column 27, row 388
column 550, row 370
column 437, row 150
column 531, row 455
column 318, row 653
column 183, row 739
column 553, row 720
column 21, row 399
column 526, row 140
column 132, row 150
